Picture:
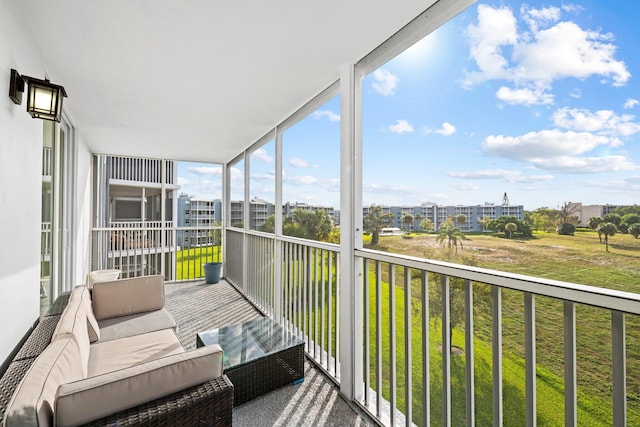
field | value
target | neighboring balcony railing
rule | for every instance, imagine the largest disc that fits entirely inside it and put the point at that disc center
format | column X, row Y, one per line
column 147, row 248
column 493, row 369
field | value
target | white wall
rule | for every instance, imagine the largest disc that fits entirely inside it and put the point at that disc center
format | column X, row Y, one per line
column 21, row 189
column 83, row 215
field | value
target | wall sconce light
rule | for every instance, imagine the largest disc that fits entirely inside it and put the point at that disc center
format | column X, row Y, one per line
column 44, row 99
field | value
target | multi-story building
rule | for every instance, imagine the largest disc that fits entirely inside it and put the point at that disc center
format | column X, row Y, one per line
column 135, row 200
column 196, row 216
column 586, row 212
column 473, row 214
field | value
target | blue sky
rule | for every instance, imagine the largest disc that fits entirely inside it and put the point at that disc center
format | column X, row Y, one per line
column 539, row 100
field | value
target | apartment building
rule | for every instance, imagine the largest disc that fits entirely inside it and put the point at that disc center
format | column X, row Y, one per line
column 439, row 214
column 195, row 217
column 135, row 201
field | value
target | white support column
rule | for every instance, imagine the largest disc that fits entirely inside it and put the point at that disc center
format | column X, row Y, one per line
column 278, row 250
column 246, row 220
column 226, row 212
column 351, row 309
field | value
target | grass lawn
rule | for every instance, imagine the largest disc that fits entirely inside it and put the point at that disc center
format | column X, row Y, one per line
column 189, row 261
column 579, row 259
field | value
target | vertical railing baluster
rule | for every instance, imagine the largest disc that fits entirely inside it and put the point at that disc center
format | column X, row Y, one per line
column 289, row 287
column 378, row 339
column 426, row 363
column 469, row 353
column 408, row 386
column 619, row 360
column 330, row 313
column 323, row 317
column 496, row 340
column 316, row 304
column 570, row 378
column 367, row 331
column 305, row 301
column 530, row 357
column 446, row 351
column 337, row 317
column 392, row 343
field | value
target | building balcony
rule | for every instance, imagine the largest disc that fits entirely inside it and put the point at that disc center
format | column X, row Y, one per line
column 496, row 324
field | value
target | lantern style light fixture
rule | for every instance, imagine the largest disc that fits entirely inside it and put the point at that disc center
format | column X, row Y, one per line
column 44, row 99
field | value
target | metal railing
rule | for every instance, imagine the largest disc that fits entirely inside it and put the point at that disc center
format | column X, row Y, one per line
column 400, row 372
column 413, row 308
column 296, row 282
column 147, row 248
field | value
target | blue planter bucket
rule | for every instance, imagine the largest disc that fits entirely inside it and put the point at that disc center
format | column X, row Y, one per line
column 212, row 271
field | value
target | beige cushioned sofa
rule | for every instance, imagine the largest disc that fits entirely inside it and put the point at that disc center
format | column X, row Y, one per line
column 111, row 350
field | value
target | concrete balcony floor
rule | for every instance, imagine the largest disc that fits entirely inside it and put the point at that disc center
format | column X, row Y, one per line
column 197, row 307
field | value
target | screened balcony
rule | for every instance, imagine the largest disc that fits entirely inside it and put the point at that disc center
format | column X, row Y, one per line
column 402, row 339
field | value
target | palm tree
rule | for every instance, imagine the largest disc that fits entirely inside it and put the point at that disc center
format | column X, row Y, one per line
column 407, row 221
column 510, row 227
column 606, row 229
column 450, row 236
column 593, row 224
column 461, row 219
column 426, row 225
column 484, row 221
column 376, row 220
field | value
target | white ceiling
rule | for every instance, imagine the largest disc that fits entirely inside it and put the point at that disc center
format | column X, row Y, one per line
column 199, row 79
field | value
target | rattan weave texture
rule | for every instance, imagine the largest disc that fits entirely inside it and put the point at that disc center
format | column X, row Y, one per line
column 208, row 404
column 39, row 339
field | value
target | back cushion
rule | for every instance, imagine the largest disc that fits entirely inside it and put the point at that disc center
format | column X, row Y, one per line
column 33, row 400
column 74, row 321
column 128, row 296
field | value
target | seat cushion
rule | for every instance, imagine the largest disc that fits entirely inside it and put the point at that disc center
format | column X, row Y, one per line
column 95, row 397
column 109, row 356
column 136, row 324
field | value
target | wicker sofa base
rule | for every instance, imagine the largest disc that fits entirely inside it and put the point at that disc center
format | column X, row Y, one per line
column 208, row 404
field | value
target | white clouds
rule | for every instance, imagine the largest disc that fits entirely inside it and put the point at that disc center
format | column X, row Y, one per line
column 526, row 96
column 500, row 174
column 630, row 103
column 559, row 151
column 301, row 180
column 532, row 59
column 466, row 186
column 447, row 129
column 603, row 122
column 401, row 127
column 384, row 82
column 573, row 164
column 262, row 154
column 298, row 163
column 205, row 170
column 542, row 144
column 183, row 181
column 496, row 28
column 333, row 117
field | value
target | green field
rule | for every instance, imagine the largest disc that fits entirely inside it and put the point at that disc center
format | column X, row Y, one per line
column 579, row 259
column 189, row 261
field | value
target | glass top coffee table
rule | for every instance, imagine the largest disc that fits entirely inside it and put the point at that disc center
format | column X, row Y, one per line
column 259, row 356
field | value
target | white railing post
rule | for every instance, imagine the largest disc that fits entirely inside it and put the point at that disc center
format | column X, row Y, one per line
column 350, row 292
column 570, row 381
column 278, row 312
column 619, row 362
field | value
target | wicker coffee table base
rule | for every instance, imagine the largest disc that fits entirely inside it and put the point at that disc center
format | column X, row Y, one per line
column 266, row 374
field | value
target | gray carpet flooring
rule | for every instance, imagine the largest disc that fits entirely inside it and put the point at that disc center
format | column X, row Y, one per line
column 197, row 306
